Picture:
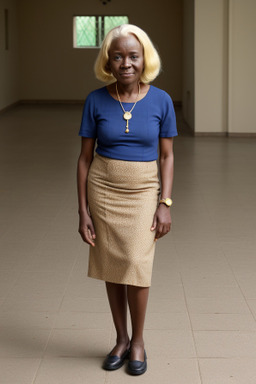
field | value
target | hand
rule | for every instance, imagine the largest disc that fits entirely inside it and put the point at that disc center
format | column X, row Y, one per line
column 86, row 229
column 161, row 221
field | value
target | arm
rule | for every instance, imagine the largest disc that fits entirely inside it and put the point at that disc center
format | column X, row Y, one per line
column 162, row 218
column 86, row 228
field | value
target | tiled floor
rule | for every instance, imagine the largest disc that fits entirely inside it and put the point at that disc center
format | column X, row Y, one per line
column 55, row 324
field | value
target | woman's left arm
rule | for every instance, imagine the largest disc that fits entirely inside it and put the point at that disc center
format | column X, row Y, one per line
column 162, row 218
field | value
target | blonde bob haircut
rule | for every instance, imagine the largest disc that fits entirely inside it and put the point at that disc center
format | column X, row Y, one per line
column 152, row 63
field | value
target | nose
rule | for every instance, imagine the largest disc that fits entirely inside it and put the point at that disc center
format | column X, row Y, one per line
column 126, row 63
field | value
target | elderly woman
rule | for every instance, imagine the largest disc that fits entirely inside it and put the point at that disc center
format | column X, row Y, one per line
column 121, row 215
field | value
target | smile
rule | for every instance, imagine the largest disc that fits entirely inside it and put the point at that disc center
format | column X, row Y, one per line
column 126, row 74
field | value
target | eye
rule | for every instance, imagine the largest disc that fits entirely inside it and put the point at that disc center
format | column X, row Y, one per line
column 117, row 57
column 134, row 57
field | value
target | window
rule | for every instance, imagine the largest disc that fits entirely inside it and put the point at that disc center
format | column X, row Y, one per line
column 89, row 31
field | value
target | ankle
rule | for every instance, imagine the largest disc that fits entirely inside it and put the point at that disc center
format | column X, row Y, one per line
column 137, row 350
column 137, row 342
column 121, row 346
column 123, row 340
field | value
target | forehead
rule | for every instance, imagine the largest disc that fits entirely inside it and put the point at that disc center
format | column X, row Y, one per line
column 124, row 43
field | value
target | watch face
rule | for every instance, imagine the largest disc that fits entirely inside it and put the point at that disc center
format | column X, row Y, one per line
column 168, row 202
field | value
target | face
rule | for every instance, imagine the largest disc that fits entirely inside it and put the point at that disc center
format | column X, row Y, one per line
column 126, row 59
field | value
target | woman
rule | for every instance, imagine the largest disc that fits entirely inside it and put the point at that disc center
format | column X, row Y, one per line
column 121, row 217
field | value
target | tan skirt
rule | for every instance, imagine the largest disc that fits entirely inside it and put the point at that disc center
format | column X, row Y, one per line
column 122, row 197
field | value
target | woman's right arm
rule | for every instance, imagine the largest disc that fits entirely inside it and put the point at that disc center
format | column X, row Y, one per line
column 86, row 228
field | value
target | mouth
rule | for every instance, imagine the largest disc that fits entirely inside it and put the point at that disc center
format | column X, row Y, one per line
column 126, row 74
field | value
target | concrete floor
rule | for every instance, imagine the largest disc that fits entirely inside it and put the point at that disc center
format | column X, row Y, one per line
column 55, row 324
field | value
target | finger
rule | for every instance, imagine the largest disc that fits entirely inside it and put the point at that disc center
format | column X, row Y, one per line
column 163, row 230
column 92, row 232
column 89, row 238
column 159, row 231
column 154, row 224
column 86, row 236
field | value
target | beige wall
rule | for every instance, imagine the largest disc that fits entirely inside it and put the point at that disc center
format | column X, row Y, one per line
column 211, row 65
column 225, row 62
column 51, row 69
column 188, row 87
column 8, row 58
column 242, row 66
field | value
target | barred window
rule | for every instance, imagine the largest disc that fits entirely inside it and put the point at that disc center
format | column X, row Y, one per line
column 89, row 31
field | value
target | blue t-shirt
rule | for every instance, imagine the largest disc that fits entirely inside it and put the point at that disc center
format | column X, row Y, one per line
column 152, row 117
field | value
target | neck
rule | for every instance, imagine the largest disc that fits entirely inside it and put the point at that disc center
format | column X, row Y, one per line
column 129, row 90
column 118, row 95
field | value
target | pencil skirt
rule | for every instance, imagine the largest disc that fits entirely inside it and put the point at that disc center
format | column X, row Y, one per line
column 122, row 198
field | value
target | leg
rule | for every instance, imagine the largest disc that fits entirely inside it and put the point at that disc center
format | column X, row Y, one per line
column 137, row 300
column 117, row 296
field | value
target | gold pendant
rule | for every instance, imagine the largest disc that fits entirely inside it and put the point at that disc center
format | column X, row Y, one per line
column 127, row 126
column 127, row 115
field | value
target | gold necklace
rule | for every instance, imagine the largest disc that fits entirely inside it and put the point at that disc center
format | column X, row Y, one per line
column 127, row 114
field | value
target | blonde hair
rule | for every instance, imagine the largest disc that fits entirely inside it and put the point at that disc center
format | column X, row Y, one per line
column 152, row 63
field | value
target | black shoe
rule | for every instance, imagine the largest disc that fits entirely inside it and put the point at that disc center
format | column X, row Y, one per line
column 115, row 362
column 136, row 367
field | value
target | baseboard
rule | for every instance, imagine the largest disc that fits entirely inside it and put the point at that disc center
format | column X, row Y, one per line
column 225, row 134
column 3, row 110
column 242, row 134
column 177, row 104
column 211, row 134
column 49, row 102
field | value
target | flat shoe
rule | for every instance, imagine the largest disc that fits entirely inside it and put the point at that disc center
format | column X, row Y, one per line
column 115, row 362
column 136, row 367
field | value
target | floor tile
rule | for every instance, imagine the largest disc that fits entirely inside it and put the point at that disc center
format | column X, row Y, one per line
column 23, row 342
column 162, row 370
column 201, row 278
column 174, row 344
column 217, row 305
column 82, row 304
column 213, row 292
column 225, row 344
column 18, row 370
column 78, row 343
column 166, row 306
column 69, row 370
column 40, row 284
column 83, row 320
column 173, row 292
column 87, row 289
column 223, row 322
column 27, row 319
column 170, row 321
column 31, row 304
column 252, row 305
column 223, row 371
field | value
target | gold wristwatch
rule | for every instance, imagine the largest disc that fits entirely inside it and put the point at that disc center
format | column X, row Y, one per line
column 167, row 201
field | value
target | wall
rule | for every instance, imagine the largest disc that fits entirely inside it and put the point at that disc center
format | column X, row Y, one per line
column 51, row 69
column 211, row 65
column 242, row 66
column 8, row 58
column 188, row 87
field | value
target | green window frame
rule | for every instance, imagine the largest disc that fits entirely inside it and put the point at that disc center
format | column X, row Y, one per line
column 89, row 31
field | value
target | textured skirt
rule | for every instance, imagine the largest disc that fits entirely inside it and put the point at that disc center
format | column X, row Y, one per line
column 122, row 197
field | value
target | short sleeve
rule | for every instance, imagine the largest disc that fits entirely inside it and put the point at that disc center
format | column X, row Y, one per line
column 168, row 127
column 88, row 126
